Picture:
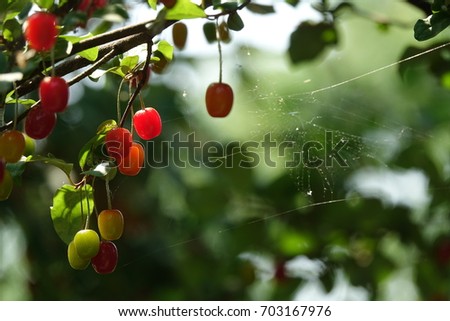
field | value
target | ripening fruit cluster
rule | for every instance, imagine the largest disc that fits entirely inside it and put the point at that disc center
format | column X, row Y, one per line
column 54, row 97
column 128, row 154
column 41, row 32
column 88, row 247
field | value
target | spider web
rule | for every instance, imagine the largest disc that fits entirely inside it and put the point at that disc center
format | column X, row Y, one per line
column 353, row 98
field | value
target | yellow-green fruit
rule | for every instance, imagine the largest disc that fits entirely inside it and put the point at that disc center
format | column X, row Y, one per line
column 110, row 224
column 75, row 261
column 87, row 243
column 30, row 145
column 6, row 186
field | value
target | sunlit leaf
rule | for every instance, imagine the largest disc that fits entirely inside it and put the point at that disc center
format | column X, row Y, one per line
column 129, row 62
column 90, row 54
column 12, row 30
column 44, row 4
column 22, row 101
column 106, row 126
column 166, row 49
column 152, row 3
column 185, row 9
column 70, row 208
column 16, row 7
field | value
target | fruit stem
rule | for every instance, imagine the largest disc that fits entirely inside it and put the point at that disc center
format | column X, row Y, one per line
column 118, row 99
column 108, row 194
column 219, row 46
column 52, row 60
column 88, row 209
column 16, row 107
column 141, row 101
column 139, row 85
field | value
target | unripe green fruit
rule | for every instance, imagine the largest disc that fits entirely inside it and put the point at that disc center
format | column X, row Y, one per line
column 75, row 261
column 87, row 243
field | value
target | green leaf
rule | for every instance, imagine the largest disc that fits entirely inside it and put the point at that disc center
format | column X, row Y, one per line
column 310, row 39
column 185, row 9
column 51, row 160
column 293, row 3
column 86, row 154
column 12, row 30
column 152, row 3
column 226, row 6
column 71, row 207
column 16, row 7
column 209, row 30
column 260, row 8
column 90, row 54
column 235, row 22
column 102, row 27
column 166, row 49
column 106, row 126
column 431, row 26
column 23, row 101
column 16, row 169
column 44, row 4
column 129, row 63
column 437, row 5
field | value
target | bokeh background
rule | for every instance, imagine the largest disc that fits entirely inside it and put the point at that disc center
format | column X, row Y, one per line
column 378, row 229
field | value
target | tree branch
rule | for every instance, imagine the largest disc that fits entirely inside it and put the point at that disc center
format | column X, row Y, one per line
column 106, row 53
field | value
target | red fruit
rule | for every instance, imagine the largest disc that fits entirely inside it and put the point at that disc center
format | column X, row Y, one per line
column 131, row 165
column 84, row 5
column 12, row 146
column 147, row 123
column 169, row 3
column 99, row 4
column 106, row 259
column 54, row 94
column 41, row 31
column 219, row 99
column 39, row 123
column 118, row 142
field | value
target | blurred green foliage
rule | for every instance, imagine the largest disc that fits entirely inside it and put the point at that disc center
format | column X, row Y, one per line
column 261, row 232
